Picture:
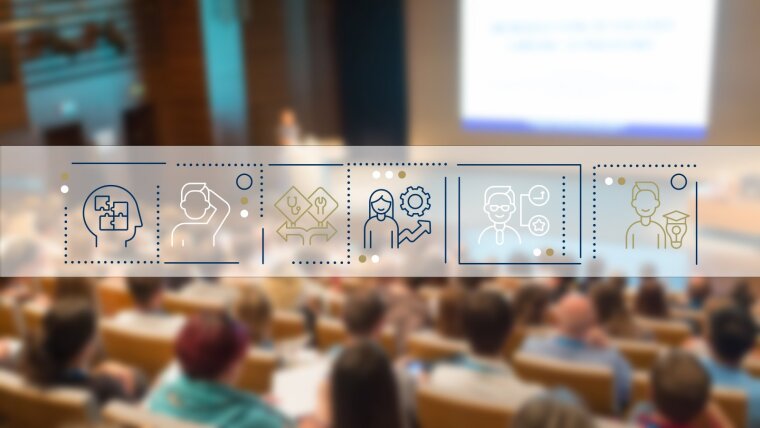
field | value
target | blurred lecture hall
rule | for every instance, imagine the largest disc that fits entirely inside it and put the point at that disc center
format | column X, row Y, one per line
column 544, row 287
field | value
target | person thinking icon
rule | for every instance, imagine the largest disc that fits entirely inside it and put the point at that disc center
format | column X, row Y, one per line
column 381, row 229
column 646, row 232
column 499, row 205
column 201, row 205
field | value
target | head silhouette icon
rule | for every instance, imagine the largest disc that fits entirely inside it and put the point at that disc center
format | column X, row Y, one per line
column 111, row 212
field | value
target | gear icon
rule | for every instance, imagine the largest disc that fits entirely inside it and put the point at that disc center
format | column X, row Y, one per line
column 415, row 201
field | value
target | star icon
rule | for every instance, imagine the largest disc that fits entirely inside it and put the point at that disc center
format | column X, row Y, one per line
column 538, row 225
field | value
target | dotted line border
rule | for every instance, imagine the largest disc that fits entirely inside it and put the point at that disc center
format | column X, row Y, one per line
column 65, row 233
column 564, row 215
column 397, row 164
column 158, row 222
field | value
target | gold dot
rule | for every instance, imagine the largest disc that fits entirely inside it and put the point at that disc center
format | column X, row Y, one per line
column 402, row 174
column 362, row 258
column 244, row 200
column 65, row 176
column 549, row 251
column 621, row 181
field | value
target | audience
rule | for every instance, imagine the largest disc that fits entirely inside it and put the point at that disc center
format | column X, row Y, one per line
column 62, row 352
column 449, row 323
column 364, row 314
column 698, row 291
column 531, row 305
column 680, row 392
column 651, row 300
column 406, row 311
column 547, row 412
column 255, row 311
column 483, row 373
column 613, row 315
column 361, row 391
column 732, row 336
column 365, row 388
column 211, row 350
column 148, row 313
column 579, row 341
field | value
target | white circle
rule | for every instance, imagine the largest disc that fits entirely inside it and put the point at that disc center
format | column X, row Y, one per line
column 64, row 189
column 388, row 174
column 376, row 174
column 608, row 181
column 244, row 213
column 536, row 252
column 375, row 258
column 538, row 195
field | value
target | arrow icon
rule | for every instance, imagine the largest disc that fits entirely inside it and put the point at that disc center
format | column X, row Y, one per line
column 328, row 231
column 423, row 227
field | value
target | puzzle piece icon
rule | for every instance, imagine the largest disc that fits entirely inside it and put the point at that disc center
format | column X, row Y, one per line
column 106, row 222
column 102, row 203
column 120, row 223
column 120, row 209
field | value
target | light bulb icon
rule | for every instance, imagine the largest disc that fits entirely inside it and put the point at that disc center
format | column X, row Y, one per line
column 675, row 226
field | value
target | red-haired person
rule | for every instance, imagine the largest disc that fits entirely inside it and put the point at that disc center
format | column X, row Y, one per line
column 211, row 350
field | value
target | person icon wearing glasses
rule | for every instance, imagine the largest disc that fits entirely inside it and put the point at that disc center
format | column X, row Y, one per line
column 499, row 205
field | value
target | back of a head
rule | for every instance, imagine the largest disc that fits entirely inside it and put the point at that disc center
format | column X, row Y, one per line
column 363, row 389
column 487, row 321
column 575, row 315
column 74, row 288
column 680, row 387
column 144, row 290
column 651, row 300
column 255, row 311
column 449, row 322
column 209, row 343
column 531, row 303
column 609, row 302
column 363, row 313
column 547, row 412
column 698, row 290
column 67, row 329
column 732, row 334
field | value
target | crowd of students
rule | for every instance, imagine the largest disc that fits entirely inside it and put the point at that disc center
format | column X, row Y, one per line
column 365, row 387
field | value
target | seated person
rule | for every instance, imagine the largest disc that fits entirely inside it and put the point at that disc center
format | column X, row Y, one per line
column 651, row 300
column 614, row 317
column 361, row 391
column 211, row 350
column 531, row 305
column 363, row 316
column 255, row 311
column 680, row 394
column 148, row 313
column 62, row 353
column 731, row 337
column 552, row 412
column 483, row 373
column 579, row 340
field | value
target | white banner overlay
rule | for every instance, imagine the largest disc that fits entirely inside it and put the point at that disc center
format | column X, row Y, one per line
column 380, row 211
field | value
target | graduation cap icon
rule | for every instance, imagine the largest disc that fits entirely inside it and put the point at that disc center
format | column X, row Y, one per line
column 675, row 226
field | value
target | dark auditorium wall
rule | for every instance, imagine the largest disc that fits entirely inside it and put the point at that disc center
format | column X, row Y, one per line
column 172, row 64
column 370, row 38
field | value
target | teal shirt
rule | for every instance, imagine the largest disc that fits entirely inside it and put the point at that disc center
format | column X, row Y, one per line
column 214, row 404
